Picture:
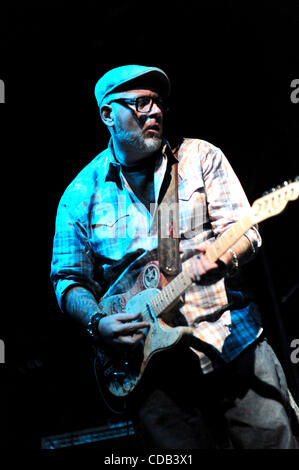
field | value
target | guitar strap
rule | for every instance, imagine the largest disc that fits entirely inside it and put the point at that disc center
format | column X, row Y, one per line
column 169, row 221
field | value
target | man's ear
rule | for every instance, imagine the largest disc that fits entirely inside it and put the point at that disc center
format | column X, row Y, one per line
column 107, row 115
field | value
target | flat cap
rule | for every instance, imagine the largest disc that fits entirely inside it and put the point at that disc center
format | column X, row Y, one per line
column 118, row 79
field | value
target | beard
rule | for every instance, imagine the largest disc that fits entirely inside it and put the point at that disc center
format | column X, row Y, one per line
column 137, row 143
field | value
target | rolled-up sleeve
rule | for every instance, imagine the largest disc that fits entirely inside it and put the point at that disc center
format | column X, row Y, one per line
column 72, row 260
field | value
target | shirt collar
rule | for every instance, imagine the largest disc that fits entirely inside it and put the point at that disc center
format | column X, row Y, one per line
column 114, row 167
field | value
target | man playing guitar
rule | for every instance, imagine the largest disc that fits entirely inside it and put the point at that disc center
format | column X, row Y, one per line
column 223, row 389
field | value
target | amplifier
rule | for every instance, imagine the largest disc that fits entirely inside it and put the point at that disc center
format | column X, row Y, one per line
column 116, row 435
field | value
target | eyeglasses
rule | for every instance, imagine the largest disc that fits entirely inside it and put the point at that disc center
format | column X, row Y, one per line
column 143, row 104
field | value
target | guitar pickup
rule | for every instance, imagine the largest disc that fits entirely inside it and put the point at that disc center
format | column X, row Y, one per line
column 150, row 312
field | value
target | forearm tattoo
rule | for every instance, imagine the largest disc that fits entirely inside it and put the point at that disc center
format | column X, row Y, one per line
column 80, row 304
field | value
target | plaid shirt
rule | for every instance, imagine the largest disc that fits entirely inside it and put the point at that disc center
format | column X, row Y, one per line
column 103, row 231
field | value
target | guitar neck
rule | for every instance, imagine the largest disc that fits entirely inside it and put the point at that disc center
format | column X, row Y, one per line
column 170, row 293
column 229, row 237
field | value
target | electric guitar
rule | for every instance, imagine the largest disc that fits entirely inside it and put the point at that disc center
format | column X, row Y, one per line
column 118, row 375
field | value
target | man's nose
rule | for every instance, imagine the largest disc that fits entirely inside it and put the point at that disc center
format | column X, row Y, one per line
column 156, row 109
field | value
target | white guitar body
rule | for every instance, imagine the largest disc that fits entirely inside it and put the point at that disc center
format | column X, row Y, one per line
column 124, row 375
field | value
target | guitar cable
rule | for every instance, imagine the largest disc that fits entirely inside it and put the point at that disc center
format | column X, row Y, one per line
column 102, row 393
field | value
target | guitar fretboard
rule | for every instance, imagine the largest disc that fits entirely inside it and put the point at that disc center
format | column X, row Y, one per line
column 172, row 291
column 229, row 237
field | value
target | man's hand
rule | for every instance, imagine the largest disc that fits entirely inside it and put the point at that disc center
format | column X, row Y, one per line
column 122, row 330
column 203, row 271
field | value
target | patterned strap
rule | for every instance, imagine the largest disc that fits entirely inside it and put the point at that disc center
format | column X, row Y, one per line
column 168, row 223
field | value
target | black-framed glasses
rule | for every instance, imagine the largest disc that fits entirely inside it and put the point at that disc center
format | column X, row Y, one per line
column 143, row 104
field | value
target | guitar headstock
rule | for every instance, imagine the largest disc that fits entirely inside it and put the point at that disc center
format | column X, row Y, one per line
column 274, row 202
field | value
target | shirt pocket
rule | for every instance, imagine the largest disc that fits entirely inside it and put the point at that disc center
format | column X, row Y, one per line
column 109, row 227
column 192, row 206
column 108, row 231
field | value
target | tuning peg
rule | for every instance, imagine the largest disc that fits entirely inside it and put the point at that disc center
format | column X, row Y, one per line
column 265, row 193
column 297, row 178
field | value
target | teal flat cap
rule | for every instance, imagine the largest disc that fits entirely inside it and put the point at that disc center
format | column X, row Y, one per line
column 121, row 78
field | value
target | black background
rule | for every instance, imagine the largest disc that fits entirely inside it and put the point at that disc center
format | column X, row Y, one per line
column 231, row 67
